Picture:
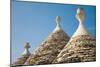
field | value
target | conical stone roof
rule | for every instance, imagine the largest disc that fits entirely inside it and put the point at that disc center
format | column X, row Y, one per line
column 25, row 55
column 81, row 47
column 50, row 48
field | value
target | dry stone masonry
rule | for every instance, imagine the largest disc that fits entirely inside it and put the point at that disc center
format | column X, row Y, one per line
column 25, row 55
column 81, row 47
column 50, row 48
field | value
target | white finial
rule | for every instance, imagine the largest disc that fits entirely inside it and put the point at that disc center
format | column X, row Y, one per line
column 26, row 51
column 27, row 45
column 80, row 17
column 58, row 21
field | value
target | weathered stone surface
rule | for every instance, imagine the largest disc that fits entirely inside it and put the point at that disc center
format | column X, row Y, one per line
column 25, row 55
column 80, row 49
column 49, row 49
column 20, row 61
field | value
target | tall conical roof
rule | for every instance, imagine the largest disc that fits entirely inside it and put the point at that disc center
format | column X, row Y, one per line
column 50, row 48
column 25, row 55
column 81, row 47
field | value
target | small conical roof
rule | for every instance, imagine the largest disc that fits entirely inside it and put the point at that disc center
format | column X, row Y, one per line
column 21, row 60
column 81, row 47
column 50, row 48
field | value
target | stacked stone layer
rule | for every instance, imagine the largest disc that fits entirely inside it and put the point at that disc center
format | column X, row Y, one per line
column 20, row 61
column 49, row 49
column 79, row 49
